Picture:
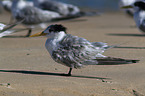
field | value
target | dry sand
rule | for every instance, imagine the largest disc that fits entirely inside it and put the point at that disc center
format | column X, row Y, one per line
column 27, row 67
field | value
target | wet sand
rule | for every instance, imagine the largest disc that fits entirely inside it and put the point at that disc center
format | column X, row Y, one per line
column 28, row 68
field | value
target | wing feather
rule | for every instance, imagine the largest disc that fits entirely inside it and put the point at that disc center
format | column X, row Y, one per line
column 76, row 52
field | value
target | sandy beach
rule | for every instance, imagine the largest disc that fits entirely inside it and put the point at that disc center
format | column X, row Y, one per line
column 26, row 68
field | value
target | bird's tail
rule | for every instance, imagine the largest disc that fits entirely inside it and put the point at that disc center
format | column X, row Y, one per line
column 8, row 29
column 10, row 26
column 114, row 61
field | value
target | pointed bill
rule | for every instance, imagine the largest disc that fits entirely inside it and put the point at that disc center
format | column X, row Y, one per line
column 38, row 34
column 126, row 7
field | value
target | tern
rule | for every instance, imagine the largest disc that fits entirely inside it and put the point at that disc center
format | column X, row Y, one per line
column 139, row 14
column 75, row 52
column 64, row 9
column 56, row 6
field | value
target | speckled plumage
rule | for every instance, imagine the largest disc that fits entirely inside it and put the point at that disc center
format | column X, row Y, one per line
column 75, row 52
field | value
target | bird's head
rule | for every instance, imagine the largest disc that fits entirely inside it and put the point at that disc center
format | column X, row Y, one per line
column 51, row 31
column 139, row 4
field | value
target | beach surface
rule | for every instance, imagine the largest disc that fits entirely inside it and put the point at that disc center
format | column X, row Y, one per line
column 26, row 68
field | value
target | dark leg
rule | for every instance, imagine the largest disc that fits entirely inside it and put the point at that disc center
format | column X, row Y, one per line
column 69, row 73
column 11, row 20
column 29, row 33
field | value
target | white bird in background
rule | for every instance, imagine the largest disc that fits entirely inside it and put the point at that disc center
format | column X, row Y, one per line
column 129, row 11
column 56, row 6
column 75, row 52
column 62, row 8
column 139, row 14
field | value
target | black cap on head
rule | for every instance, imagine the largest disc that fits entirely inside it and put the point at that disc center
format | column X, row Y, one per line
column 56, row 28
column 140, row 4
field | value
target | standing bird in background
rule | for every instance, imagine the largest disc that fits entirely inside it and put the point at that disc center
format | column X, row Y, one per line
column 129, row 11
column 7, row 5
column 139, row 14
column 75, row 52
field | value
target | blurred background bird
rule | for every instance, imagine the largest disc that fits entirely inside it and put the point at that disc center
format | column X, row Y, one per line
column 139, row 14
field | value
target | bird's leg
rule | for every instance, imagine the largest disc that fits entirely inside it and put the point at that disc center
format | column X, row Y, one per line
column 69, row 73
column 29, row 32
column 11, row 20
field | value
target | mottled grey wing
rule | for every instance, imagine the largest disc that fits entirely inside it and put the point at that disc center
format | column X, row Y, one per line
column 75, row 52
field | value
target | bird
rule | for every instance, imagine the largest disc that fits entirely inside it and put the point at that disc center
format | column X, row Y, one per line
column 75, row 52
column 139, row 14
column 129, row 11
column 56, row 6
column 63, row 8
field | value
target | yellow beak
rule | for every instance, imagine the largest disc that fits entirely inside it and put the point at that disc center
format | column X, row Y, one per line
column 125, row 7
column 38, row 34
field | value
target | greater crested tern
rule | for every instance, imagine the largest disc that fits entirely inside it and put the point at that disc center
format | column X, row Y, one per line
column 139, row 14
column 75, row 52
column 56, row 6
column 62, row 8
column 129, row 11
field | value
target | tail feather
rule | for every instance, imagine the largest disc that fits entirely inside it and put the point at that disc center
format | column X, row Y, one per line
column 5, row 33
column 115, row 61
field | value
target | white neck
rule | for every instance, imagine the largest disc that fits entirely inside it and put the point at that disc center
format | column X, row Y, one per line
column 18, row 4
column 52, row 43
column 139, row 17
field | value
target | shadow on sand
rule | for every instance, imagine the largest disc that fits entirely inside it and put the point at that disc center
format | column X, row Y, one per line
column 49, row 74
column 120, row 34
column 14, row 37
column 130, row 47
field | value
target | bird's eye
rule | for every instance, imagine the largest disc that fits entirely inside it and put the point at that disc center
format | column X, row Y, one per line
column 50, row 30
